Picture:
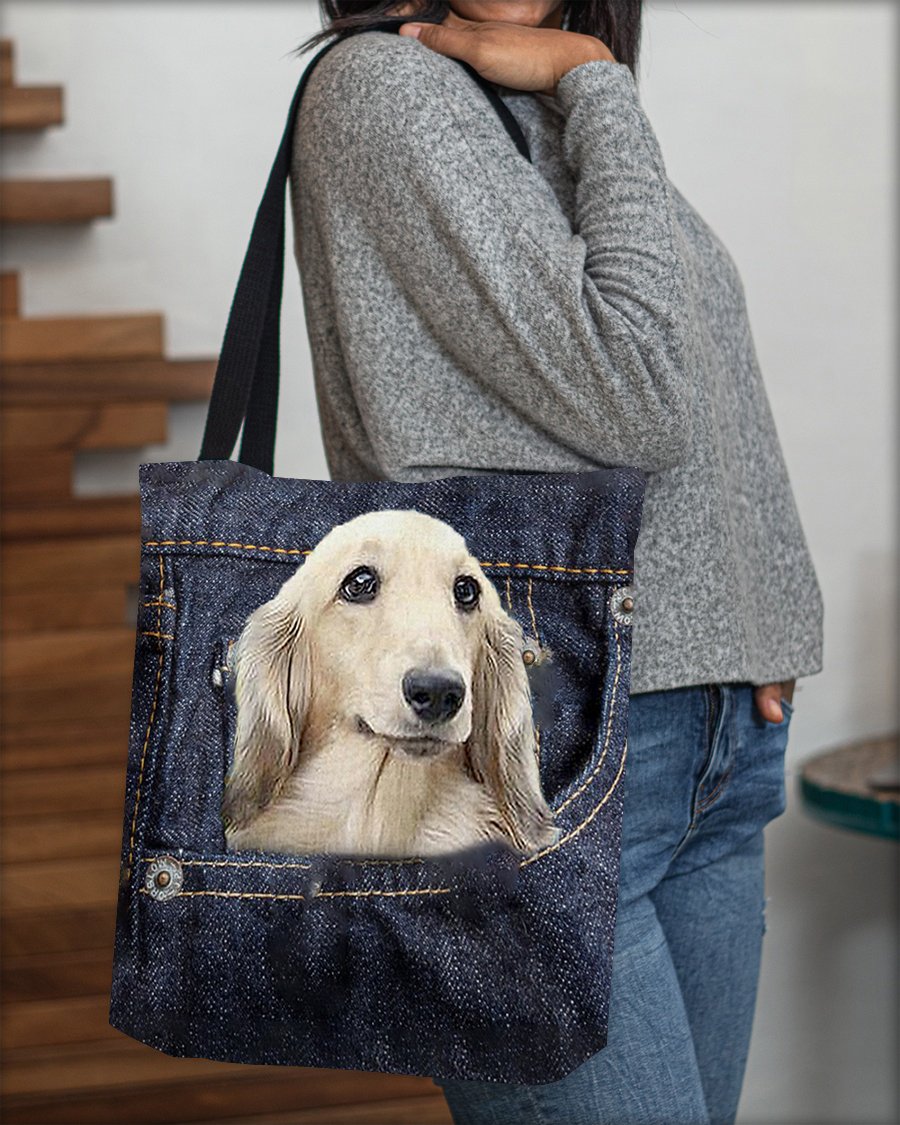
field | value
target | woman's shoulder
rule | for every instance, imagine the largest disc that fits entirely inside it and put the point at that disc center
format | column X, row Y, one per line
column 376, row 77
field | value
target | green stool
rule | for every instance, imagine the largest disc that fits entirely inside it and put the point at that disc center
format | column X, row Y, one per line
column 856, row 786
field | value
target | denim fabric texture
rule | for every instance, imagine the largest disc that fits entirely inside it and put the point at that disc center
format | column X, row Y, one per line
column 482, row 966
column 705, row 775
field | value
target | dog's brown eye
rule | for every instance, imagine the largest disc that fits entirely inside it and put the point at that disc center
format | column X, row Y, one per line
column 466, row 591
column 360, row 585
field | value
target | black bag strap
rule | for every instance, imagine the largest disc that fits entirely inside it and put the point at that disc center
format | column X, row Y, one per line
column 245, row 389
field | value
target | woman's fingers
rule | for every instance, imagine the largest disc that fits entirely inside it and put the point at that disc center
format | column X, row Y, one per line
column 768, row 699
column 513, row 55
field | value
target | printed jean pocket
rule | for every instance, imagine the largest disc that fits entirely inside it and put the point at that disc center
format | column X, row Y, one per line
column 569, row 635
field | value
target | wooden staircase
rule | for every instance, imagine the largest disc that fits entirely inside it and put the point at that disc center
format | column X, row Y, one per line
column 68, row 582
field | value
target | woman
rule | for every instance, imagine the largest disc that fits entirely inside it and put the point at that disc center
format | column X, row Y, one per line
column 471, row 312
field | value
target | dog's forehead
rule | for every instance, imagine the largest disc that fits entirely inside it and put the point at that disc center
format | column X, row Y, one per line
column 396, row 532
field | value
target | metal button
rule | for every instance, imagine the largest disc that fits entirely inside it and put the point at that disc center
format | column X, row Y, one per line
column 621, row 604
column 529, row 656
column 164, row 877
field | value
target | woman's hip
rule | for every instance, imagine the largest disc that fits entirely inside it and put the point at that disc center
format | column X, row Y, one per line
column 704, row 774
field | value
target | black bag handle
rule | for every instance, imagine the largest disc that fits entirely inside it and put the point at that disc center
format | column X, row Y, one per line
column 246, row 383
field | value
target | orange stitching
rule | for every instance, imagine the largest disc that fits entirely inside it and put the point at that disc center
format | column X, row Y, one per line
column 319, row 894
column 564, row 569
column 161, row 596
column 309, row 550
column 224, row 543
column 171, row 605
column 263, row 863
column 599, row 764
column 588, row 818
column 162, row 636
column 537, row 635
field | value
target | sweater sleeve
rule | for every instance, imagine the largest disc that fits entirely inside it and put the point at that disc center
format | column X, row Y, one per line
column 581, row 331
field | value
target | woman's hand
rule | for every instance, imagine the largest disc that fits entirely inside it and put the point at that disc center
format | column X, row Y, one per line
column 768, row 699
column 509, row 54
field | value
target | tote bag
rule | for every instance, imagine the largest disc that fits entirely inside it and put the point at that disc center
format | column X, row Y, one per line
column 373, row 794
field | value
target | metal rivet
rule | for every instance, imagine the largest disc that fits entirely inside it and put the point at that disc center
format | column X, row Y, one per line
column 621, row 604
column 528, row 656
column 164, row 877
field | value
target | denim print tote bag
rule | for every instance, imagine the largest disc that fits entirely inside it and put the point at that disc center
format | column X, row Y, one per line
column 374, row 785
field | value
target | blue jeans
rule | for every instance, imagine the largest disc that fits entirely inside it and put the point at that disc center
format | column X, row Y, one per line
column 704, row 775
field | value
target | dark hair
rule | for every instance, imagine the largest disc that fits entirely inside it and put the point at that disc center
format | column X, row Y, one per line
column 617, row 23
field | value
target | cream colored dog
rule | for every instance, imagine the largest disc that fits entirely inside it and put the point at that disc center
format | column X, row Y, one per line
column 383, row 705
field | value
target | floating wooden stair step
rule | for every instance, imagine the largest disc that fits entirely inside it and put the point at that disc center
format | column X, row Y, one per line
column 39, row 442
column 55, row 201
column 44, row 976
column 183, row 380
column 9, row 294
column 25, row 108
column 67, row 1020
column 76, row 339
column 110, row 1110
column 188, row 1088
column 7, row 77
column 75, row 673
column 50, row 745
column 59, row 884
column 55, row 931
column 69, row 565
column 90, row 515
column 41, row 792
column 112, row 425
column 30, row 838
column 28, row 479
column 44, row 610
column 428, row 1110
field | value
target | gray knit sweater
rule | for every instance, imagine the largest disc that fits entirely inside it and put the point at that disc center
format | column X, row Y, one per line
column 468, row 311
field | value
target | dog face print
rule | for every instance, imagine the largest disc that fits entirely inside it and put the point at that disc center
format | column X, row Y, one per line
column 383, row 705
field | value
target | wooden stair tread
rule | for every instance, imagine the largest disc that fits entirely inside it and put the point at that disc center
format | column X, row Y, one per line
column 43, row 611
column 36, row 478
column 52, row 743
column 95, row 789
column 56, row 885
column 9, row 294
column 31, row 107
column 123, row 1061
column 38, row 564
column 55, row 931
column 60, row 200
column 76, row 339
column 76, row 517
column 172, row 380
column 6, row 62
column 428, row 1110
column 110, row 425
column 56, row 976
column 30, row 839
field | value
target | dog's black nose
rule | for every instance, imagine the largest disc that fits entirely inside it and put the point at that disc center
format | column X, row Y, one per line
column 434, row 696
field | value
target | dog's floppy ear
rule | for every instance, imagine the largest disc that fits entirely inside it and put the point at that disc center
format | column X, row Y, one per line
column 502, row 750
column 272, row 690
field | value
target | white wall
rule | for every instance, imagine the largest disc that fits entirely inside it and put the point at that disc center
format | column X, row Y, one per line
column 776, row 120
